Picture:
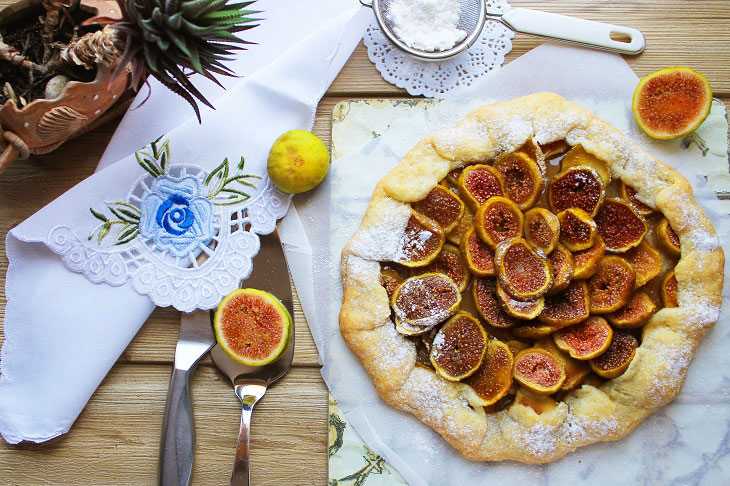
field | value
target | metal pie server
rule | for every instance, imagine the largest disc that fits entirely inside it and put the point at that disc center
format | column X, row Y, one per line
column 269, row 273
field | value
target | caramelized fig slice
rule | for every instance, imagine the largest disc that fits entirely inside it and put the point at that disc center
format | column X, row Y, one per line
column 585, row 262
column 477, row 254
column 484, row 292
column 450, row 263
column 533, row 329
column 668, row 238
column 411, row 330
column 425, row 300
column 576, row 187
column 567, row 308
column 577, row 229
column 586, row 340
column 467, row 222
column 620, row 226
column 459, row 347
column 518, row 309
column 531, row 149
column 493, row 379
column 539, row 371
column 561, row 268
column 646, row 261
column 478, row 183
column 629, row 193
column 542, row 229
column 575, row 371
column 612, row 284
column 516, row 346
column 390, row 279
column 442, row 206
column 578, row 156
column 539, row 403
column 635, row 313
column 523, row 273
column 614, row 361
column 554, row 149
column 523, row 180
column 421, row 243
column 668, row 290
column 497, row 220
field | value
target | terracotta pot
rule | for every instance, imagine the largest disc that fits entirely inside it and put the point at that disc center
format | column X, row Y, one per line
column 44, row 124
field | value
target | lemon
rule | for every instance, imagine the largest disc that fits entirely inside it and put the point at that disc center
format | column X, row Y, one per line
column 298, row 161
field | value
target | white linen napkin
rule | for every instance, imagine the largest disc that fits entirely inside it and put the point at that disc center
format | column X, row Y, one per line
column 62, row 332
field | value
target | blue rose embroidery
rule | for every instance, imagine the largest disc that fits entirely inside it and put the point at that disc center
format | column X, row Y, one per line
column 175, row 215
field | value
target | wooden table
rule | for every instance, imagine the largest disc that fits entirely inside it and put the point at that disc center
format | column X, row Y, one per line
column 116, row 438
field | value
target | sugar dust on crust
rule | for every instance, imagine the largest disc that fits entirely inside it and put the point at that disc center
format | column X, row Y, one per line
column 587, row 414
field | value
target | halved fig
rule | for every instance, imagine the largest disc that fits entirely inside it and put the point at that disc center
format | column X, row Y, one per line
column 575, row 371
column 586, row 340
column 516, row 346
column 533, row 329
column 450, row 263
column 478, row 183
column 585, row 262
column 477, row 254
column 539, row 371
column 617, row 357
column 577, row 229
column 629, row 193
column 620, row 225
column 421, row 243
column 459, row 346
column 646, row 261
column 493, row 379
column 497, row 220
column 553, row 149
column 412, row 330
column 519, row 309
column 425, row 300
column 668, row 290
column 484, row 292
column 542, row 229
column 561, row 268
column 539, row 403
column 390, row 279
column 567, row 308
column 442, row 206
column 523, row 180
column 635, row 313
column 523, row 273
column 668, row 239
column 578, row 156
column 466, row 222
column 576, row 187
column 612, row 284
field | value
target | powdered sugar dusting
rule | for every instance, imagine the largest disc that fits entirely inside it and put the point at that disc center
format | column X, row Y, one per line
column 381, row 239
column 412, row 245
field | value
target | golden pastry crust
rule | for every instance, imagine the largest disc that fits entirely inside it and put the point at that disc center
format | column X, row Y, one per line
column 587, row 414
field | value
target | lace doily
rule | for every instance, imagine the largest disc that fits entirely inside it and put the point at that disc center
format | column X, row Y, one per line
column 443, row 78
column 183, row 236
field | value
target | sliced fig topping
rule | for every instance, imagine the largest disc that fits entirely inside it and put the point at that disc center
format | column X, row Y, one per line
column 497, row 220
column 390, row 279
column 421, row 243
column 612, row 284
column 451, row 264
column 586, row 340
column 516, row 346
column 669, row 290
column 635, row 313
column 668, row 239
column 579, row 157
column 425, row 300
column 577, row 229
column 518, row 309
column 477, row 254
column 553, row 149
column 539, row 371
column 442, row 206
column 540, row 404
column 485, row 298
column 620, row 226
column 542, row 229
column 575, row 371
column 646, row 261
column 531, row 149
column 567, row 308
column 459, row 347
column 493, row 379
column 614, row 361
column 576, row 187
column 561, row 268
column 466, row 222
column 523, row 273
column 478, row 183
column 522, row 178
column 410, row 329
column 629, row 193
column 533, row 329
column 453, row 176
column 585, row 262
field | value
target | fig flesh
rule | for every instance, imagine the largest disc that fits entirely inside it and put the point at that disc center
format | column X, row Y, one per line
column 466, row 222
column 577, row 229
column 390, row 279
column 421, row 242
column 442, row 206
column 575, row 370
column 493, row 379
column 561, row 268
column 579, row 157
column 523, row 180
column 478, row 183
column 668, row 239
column 612, row 284
column 458, row 348
column 542, row 229
column 617, row 357
column 539, row 371
column 669, row 289
column 450, row 263
column 567, row 308
column 646, row 261
column 425, row 300
column 620, row 226
column 498, row 220
column 586, row 340
column 533, row 329
column 477, row 254
column 523, row 273
column 635, row 313
column 484, row 292
column 525, row 310
column 585, row 262
column 576, row 187
column 629, row 193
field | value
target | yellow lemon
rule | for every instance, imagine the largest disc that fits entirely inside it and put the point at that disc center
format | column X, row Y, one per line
column 298, row 161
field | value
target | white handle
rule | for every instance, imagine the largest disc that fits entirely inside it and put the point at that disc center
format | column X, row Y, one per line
column 574, row 30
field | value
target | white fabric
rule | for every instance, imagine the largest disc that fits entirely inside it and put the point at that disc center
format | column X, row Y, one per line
column 62, row 332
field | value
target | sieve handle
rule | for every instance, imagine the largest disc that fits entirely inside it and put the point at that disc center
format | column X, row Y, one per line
column 570, row 29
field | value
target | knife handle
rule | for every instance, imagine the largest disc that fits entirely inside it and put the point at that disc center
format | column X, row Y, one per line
column 178, row 432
